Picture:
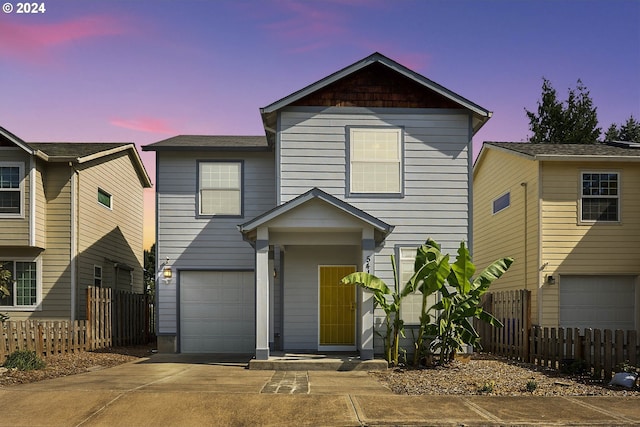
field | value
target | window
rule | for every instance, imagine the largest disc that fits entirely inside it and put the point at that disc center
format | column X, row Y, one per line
column 375, row 157
column 600, row 197
column 412, row 303
column 24, row 283
column 502, row 203
column 11, row 189
column 104, row 198
column 97, row 275
column 220, row 188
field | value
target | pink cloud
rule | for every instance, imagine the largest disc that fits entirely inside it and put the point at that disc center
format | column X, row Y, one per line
column 145, row 124
column 33, row 41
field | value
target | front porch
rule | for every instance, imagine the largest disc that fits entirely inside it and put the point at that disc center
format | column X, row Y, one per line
column 303, row 248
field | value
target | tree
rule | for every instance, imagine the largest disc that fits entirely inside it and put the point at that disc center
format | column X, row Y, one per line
column 573, row 121
column 150, row 270
column 629, row 131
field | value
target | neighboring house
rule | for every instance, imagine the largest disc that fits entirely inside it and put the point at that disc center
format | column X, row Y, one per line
column 258, row 230
column 570, row 216
column 70, row 216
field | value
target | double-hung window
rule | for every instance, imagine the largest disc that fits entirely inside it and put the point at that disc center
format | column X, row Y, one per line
column 11, row 190
column 23, row 283
column 220, row 188
column 375, row 161
column 600, row 197
column 412, row 303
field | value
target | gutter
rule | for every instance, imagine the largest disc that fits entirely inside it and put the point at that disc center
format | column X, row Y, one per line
column 74, row 183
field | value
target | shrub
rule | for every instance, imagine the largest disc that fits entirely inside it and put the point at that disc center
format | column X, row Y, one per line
column 24, row 360
column 532, row 385
column 487, row 387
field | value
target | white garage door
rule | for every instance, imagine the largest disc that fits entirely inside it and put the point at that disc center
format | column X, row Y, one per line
column 598, row 302
column 217, row 312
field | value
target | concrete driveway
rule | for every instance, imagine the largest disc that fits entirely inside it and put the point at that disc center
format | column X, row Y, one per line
column 178, row 390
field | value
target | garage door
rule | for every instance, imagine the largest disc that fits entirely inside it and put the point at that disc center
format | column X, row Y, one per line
column 598, row 302
column 217, row 312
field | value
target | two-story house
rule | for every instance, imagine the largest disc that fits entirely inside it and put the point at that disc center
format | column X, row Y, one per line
column 70, row 216
column 257, row 231
column 570, row 216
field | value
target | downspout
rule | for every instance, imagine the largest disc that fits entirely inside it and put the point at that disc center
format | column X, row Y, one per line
column 32, row 202
column 73, row 237
column 526, row 223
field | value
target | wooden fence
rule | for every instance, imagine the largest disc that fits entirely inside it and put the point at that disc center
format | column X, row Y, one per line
column 595, row 351
column 113, row 319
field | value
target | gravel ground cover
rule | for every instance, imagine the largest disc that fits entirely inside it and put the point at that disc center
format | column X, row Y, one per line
column 494, row 376
column 61, row 365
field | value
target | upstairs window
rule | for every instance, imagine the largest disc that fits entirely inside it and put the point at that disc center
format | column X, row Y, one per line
column 11, row 189
column 220, row 188
column 502, row 203
column 104, row 198
column 600, row 197
column 375, row 156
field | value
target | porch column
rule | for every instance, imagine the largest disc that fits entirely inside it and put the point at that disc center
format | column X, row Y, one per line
column 262, row 294
column 365, row 298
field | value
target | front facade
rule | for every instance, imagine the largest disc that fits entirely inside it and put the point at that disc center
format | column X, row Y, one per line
column 70, row 216
column 366, row 163
column 570, row 216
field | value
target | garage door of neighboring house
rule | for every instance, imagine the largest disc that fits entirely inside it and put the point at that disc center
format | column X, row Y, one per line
column 217, row 312
column 598, row 302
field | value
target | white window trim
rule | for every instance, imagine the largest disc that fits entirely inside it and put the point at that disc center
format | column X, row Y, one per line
column 21, row 167
column 581, row 197
column 400, row 138
column 102, row 190
column 493, row 210
column 400, row 259
column 240, row 190
column 101, row 277
column 38, row 305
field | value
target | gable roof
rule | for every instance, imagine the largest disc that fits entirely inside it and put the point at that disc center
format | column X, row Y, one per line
column 606, row 152
column 210, row 143
column 78, row 152
column 382, row 228
column 480, row 114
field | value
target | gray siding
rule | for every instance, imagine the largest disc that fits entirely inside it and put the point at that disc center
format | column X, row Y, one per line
column 193, row 242
column 436, row 202
column 301, row 290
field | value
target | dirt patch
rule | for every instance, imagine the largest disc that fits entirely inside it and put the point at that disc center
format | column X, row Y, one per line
column 495, row 376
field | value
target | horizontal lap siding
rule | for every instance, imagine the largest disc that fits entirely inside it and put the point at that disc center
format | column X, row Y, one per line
column 503, row 234
column 436, row 167
column 15, row 231
column 573, row 248
column 193, row 242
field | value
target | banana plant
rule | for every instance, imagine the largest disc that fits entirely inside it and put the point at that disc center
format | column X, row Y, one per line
column 5, row 281
column 460, row 302
column 389, row 300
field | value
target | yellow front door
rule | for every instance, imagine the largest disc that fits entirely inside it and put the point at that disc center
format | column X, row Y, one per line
column 337, row 307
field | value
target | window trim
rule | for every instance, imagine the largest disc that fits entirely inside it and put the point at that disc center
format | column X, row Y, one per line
column 106, row 193
column 21, row 167
column 96, row 277
column 493, row 202
column 348, row 154
column 199, row 213
column 33, row 307
column 581, row 197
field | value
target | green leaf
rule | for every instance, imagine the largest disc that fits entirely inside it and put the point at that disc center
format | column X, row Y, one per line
column 462, row 270
column 367, row 281
column 493, row 272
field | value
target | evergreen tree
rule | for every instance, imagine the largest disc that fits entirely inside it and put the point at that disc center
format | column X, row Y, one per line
column 150, row 270
column 629, row 131
column 573, row 121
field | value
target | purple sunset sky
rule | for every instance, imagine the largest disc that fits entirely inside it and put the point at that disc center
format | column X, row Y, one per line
column 142, row 71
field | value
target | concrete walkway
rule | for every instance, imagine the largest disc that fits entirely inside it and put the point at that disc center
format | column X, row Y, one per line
column 177, row 390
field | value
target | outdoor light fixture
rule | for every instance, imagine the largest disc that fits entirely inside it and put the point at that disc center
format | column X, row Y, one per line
column 551, row 280
column 167, row 274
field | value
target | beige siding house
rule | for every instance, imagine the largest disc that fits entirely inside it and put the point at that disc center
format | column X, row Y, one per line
column 570, row 216
column 70, row 216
